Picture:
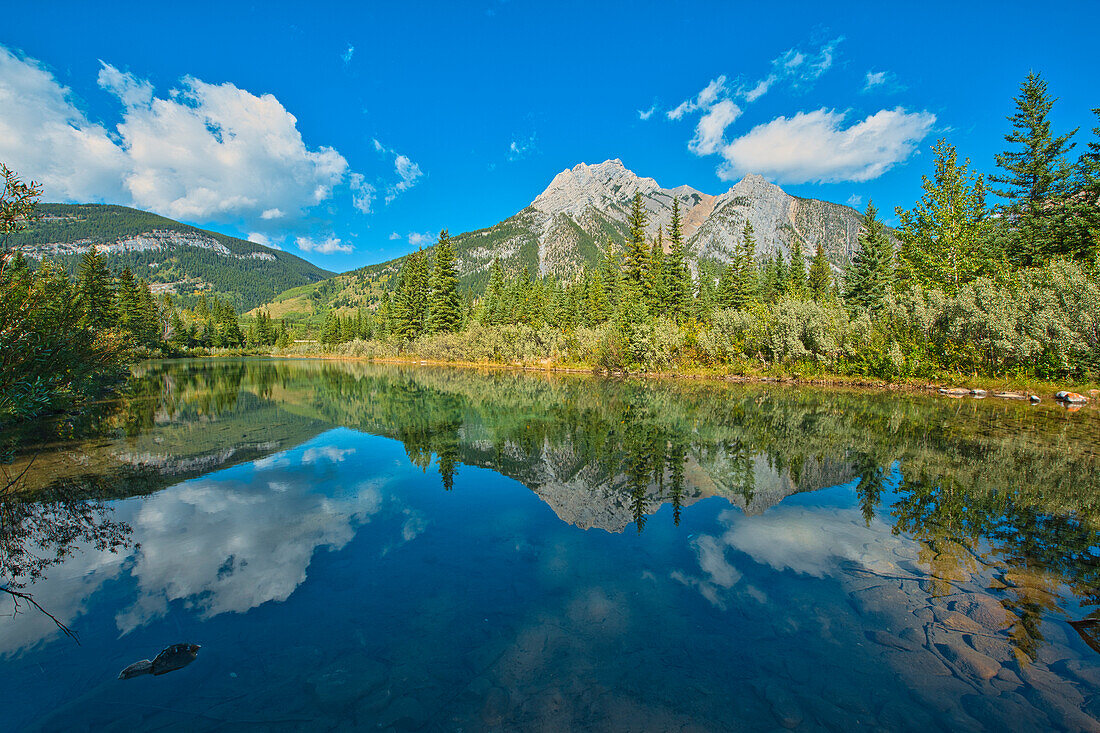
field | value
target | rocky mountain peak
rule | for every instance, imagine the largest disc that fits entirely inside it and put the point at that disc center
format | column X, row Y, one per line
column 597, row 186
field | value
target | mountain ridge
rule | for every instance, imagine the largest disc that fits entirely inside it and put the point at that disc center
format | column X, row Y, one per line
column 174, row 257
column 566, row 228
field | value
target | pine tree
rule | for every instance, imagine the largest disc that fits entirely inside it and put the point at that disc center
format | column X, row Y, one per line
column 127, row 307
column 871, row 274
column 410, row 301
column 94, row 292
column 945, row 237
column 1036, row 177
column 612, row 277
column 1082, row 223
column 745, row 283
column 444, row 309
column 330, row 331
column 636, row 256
column 677, row 274
column 796, row 275
column 494, row 296
column 819, row 277
column 779, row 280
column 659, row 294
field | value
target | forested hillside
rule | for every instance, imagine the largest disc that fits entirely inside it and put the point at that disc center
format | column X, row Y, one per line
column 172, row 257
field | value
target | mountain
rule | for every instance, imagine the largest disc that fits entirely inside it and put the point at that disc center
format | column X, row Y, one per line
column 173, row 257
column 568, row 225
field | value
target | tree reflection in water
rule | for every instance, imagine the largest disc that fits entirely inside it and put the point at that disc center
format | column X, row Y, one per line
column 1001, row 493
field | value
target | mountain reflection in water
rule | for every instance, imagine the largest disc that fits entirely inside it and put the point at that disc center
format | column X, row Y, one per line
column 351, row 544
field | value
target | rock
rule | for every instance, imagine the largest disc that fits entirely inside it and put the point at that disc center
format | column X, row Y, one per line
column 338, row 687
column 1088, row 674
column 988, row 612
column 1071, row 397
column 889, row 640
column 955, row 391
column 1034, row 399
column 1010, row 395
column 977, row 393
column 955, row 621
column 786, row 711
column 970, row 662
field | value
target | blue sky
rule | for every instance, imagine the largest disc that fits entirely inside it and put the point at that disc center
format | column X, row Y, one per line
column 349, row 134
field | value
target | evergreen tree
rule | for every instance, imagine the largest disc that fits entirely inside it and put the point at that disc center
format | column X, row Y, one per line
column 745, row 282
column 945, row 237
column 330, row 331
column 677, row 274
column 410, row 302
column 819, row 277
column 445, row 307
column 612, row 278
column 636, row 256
column 1035, row 179
column 127, row 306
column 94, row 292
column 494, row 296
column 1082, row 222
column 659, row 299
column 796, row 275
column 871, row 274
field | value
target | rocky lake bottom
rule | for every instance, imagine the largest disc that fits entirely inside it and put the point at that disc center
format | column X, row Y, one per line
column 399, row 548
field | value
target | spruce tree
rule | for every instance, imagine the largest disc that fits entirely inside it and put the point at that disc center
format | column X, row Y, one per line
column 745, row 282
column 677, row 274
column 612, row 276
column 493, row 306
column 796, row 274
column 636, row 256
column 410, row 301
column 445, row 306
column 819, row 277
column 127, row 307
column 659, row 293
column 1036, row 177
column 871, row 274
column 94, row 292
column 1083, row 214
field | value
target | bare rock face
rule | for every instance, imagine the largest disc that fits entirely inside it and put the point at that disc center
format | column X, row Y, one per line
column 568, row 224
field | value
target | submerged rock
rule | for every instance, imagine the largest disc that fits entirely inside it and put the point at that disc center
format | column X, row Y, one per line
column 1010, row 395
column 174, row 657
column 955, row 392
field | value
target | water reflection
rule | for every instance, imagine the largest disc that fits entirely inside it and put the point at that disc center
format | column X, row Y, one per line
column 949, row 542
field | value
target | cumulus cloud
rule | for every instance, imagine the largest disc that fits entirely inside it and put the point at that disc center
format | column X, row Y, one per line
column 645, row 114
column 327, row 246
column 362, row 193
column 874, row 79
column 855, row 201
column 712, row 127
column 881, row 81
column 816, row 146
column 394, row 236
column 201, row 152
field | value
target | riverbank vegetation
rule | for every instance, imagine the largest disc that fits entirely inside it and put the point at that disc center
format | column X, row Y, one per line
column 959, row 287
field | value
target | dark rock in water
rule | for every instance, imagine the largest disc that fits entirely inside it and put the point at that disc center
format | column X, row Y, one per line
column 1034, row 399
column 174, row 657
column 135, row 669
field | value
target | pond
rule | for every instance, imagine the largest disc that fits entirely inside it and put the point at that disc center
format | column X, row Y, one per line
column 417, row 548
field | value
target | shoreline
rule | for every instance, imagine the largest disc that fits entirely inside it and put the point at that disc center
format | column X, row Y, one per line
column 1023, row 388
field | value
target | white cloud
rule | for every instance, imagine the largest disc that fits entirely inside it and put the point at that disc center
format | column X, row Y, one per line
column 202, row 152
column 855, row 201
column 519, row 148
column 45, row 137
column 796, row 67
column 362, row 193
column 645, row 114
column 347, row 54
column 815, row 146
column 408, row 172
column 328, row 246
column 329, row 453
column 395, row 236
column 260, row 238
column 712, row 126
column 703, row 100
column 874, row 79
column 417, row 239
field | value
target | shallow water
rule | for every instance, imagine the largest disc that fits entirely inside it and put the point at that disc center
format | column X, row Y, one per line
column 368, row 546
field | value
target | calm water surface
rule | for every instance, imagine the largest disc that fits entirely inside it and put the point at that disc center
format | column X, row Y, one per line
column 368, row 546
